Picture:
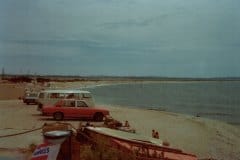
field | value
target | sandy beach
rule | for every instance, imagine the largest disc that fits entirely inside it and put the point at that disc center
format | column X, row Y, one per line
column 204, row 137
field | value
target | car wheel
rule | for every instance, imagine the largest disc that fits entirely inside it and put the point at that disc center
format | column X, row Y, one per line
column 98, row 117
column 27, row 103
column 58, row 116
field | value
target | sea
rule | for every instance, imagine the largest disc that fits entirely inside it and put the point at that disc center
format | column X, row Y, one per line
column 219, row 100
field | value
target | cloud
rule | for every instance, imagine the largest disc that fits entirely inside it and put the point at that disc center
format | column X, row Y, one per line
column 128, row 23
column 121, row 37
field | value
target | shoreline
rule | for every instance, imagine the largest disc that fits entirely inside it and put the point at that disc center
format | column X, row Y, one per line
column 170, row 113
column 175, row 113
column 196, row 135
column 203, row 137
column 19, row 87
column 18, row 90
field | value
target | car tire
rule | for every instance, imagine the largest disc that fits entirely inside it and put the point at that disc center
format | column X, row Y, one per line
column 58, row 116
column 28, row 103
column 98, row 117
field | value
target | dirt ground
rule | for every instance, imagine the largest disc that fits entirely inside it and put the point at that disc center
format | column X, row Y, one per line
column 11, row 91
column 205, row 138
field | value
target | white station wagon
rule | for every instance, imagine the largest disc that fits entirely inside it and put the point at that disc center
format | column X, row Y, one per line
column 50, row 97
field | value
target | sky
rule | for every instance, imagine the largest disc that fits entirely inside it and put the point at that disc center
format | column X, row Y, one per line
column 166, row 38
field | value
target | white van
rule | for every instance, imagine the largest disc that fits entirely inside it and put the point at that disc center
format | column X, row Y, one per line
column 50, row 97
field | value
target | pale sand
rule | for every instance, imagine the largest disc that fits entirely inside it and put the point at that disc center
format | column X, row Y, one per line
column 205, row 138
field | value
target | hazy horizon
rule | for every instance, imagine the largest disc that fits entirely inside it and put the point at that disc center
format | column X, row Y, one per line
column 157, row 38
column 119, row 76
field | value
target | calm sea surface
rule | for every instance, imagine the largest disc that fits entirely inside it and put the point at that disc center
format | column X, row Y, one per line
column 215, row 100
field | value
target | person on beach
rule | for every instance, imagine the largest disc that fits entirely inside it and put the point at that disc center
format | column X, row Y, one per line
column 156, row 135
column 153, row 133
column 126, row 124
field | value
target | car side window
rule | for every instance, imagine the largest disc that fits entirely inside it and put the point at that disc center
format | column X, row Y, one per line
column 72, row 96
column 61, row 95
column 41, row 95
column 69, row 104
column 54, row 95
column 81, row 104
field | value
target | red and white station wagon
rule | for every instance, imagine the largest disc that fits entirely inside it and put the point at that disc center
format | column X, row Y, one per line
column 72, row 109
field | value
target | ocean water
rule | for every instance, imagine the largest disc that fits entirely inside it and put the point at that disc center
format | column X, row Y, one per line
column 215, row 100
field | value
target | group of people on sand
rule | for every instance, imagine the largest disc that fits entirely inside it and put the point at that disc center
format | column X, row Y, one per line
column 155, row 134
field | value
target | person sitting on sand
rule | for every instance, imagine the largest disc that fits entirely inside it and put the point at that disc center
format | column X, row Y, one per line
column 156, row 135
column 126, row 124
column 153, row 133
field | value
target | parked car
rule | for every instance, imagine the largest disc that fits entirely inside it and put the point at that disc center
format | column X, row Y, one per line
column 30, row 97
column 50, row 97
column 72, row 109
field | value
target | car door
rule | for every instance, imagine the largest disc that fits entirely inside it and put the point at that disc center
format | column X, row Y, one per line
column 69, row 108
column 82, row 109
